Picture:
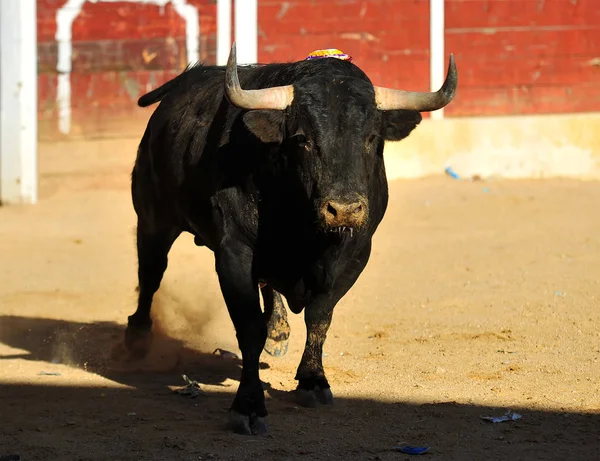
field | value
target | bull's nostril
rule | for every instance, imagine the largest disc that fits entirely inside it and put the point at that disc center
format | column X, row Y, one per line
column 331, row 210
column 343, row 214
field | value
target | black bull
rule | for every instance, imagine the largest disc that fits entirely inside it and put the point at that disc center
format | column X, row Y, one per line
column 285, row 183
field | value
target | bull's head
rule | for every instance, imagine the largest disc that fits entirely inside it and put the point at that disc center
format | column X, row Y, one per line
column 333, row 124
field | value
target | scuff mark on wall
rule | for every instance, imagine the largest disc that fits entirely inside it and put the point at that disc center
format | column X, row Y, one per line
column 285, row 6
column 132, row 88
column 362, row 36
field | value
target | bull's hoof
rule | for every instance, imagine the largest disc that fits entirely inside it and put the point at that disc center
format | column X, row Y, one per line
column 311, row 398
column 138, row 342
column 247, row 425
column 325, row 396
column 276, row 348
column 306, row 398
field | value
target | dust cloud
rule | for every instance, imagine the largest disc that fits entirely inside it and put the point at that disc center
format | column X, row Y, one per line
column 184, row 317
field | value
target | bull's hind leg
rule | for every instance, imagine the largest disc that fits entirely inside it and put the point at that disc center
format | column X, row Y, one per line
column 153, row 248
column 234, row 268
column 313, row 387
column 278, row 328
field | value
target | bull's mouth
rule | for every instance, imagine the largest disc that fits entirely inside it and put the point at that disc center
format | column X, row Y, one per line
column 341, row 231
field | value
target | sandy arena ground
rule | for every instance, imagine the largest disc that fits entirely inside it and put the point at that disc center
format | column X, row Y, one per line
column 479, row 297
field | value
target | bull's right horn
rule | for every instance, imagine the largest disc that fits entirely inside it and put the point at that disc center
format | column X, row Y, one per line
column 389, row 99
column 278, row 97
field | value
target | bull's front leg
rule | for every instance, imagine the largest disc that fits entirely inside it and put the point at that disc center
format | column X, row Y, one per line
column 312, row 383
column 234, row 268
column 313, row 386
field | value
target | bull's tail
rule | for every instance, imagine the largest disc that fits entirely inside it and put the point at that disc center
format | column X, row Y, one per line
column 156, row 95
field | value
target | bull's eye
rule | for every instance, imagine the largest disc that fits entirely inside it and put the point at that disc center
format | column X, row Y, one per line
column 371, row 139
column 303, row 143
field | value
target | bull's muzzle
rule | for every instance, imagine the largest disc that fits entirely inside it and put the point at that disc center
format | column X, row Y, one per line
column 350, row 214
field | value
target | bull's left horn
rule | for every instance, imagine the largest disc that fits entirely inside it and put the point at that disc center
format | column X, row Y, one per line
column 389, row 99
column 278, row 97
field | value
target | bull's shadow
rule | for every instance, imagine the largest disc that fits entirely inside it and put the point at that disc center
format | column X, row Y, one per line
column 98, row 348
column 50, row 422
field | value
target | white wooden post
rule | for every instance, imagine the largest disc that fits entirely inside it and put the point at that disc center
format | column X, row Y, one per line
column 223, row 31
column 246, row 31
column 18, row 101
column 437, row 58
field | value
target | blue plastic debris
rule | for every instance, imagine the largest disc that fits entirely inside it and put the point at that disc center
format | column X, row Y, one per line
column 450, row 172
column 508, row 416
column 486, row 189
column 411, row 450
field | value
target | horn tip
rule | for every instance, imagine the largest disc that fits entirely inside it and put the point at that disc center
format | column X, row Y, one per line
column 232, row 55
column 452, row 62
column 452, row 71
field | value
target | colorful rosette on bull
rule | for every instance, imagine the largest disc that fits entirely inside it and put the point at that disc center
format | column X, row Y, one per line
column 329, row 53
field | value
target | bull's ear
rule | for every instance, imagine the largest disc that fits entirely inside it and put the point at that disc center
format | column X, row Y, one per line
column 266, row 125
column 398, row 124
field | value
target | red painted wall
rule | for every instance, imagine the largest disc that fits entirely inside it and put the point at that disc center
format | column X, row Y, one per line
column 525, row 56
column 514, row 56
column 389, row 39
